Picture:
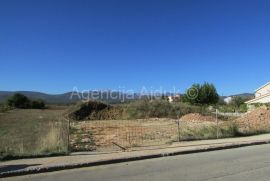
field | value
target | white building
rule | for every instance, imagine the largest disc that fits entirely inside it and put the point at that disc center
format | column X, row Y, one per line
column 228, row 100
column 174, row 98
column 262, row 95
column 170, row 98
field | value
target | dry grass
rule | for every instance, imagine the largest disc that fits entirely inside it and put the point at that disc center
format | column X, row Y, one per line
column 100, row 135
column 45, row 132
column 125, row 133
column 32, row 133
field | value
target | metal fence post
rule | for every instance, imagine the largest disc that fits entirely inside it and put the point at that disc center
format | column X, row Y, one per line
column 178, row 125
column 68, row 136
column 217, row 122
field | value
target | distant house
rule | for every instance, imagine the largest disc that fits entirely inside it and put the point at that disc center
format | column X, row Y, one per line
column 262, row 95
column 228, row 100
column 170, row 98
column 174, row 98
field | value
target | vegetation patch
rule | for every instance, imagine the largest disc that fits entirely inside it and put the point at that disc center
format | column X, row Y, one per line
column 32, row 132
column 93, row 110
column 141, row 109
column 209, row 131
column 21, row 101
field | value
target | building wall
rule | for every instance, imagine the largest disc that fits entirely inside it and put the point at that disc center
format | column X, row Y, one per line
column 265, row 99
column 263, row 91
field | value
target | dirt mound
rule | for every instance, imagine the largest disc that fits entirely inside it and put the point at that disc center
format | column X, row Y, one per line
column 93, row 110
column 258, row 118
column 198, row 117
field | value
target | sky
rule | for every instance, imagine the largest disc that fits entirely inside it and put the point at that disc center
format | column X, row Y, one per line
column 53, row 46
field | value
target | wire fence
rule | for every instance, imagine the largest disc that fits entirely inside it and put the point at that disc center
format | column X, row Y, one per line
column 109, row 135
column 121, row 134
column 60, row 135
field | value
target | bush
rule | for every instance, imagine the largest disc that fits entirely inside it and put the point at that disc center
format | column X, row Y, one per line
column 261, row 104
column 243, row 108
column 87, row 110
column 4, row 108
column 210, row 132
column 236, row 105
column 159, row 108
column 237, row 101
column 38, row 104
column 19, row 101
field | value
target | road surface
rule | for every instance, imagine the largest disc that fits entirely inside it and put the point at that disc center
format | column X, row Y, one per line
column 247, row 163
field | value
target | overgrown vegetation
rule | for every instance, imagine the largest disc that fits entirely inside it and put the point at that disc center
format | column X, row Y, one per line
column 21, row 101
column 236, row 105
column 29, row 132
column 141, row 109
column 93, row 110
column 160, row 109
column 210, row 132
column 261, row 104
column 4, row 108
column 81, row 140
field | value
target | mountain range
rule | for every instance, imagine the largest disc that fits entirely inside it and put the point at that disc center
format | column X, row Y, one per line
column 71, row 97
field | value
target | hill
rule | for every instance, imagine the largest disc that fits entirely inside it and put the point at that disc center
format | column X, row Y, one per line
column 104, row 96
column 69, row 98
column 243, row 95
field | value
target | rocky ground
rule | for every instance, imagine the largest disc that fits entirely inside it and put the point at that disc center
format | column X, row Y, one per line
column 256, row 120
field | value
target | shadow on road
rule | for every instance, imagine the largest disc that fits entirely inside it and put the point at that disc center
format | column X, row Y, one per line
column 7, row 168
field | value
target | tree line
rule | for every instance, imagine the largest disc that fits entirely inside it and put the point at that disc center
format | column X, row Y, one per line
column 23, row 102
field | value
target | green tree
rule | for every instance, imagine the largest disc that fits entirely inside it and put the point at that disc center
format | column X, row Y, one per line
column 192, row 94
column 237, row 101
column 208, row 94
column 19, row 101
column 202, row 94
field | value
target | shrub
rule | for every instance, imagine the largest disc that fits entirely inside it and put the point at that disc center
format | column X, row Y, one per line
column 19, row 101
column 237, row 101
column 210, row 132
column 243, row 108
column 38, row 104
column 4, row 108
column 237, row 105
column 159, row 108
column 90, row 110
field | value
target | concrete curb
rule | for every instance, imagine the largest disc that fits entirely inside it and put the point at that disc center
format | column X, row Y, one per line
column 128, row 159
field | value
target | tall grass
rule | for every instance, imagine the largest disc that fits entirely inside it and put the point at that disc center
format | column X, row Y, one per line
column 55, row 140
column 211, row 131
column 4, row 108
column 25, row 133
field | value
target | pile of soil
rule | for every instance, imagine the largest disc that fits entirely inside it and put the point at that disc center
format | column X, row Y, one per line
column 194, row 117
column 93, row 110
column 258, row 118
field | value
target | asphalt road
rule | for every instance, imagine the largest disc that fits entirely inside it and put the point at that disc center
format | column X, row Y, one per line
column 247, row 163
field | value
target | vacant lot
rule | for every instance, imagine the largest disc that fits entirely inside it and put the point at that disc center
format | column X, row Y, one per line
column 114, row 134
column 124, row 133
column 25, row 132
